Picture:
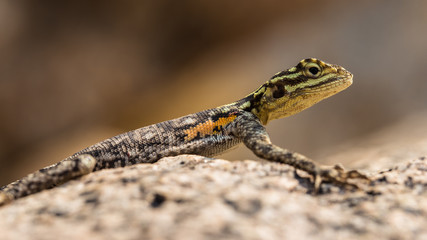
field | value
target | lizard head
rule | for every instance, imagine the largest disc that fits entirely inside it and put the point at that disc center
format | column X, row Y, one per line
column 291, row 91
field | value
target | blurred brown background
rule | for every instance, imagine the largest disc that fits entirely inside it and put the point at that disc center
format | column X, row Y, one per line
column 76, row 72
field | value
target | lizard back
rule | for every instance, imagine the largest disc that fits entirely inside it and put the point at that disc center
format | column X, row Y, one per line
column 204, row 133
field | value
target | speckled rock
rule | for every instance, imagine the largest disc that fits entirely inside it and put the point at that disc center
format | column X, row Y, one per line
column 192, row 197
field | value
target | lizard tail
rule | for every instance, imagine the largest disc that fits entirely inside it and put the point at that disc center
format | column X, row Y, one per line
column 48, row 177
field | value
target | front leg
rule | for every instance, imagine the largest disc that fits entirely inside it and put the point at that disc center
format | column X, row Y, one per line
column 254, row 135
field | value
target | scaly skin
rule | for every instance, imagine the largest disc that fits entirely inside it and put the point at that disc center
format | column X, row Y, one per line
column 209, row 132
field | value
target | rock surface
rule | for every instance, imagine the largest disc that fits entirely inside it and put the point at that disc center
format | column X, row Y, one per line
column 384, row 148
column 192, row 197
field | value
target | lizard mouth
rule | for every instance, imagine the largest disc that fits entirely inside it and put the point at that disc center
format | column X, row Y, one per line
column 333, row 85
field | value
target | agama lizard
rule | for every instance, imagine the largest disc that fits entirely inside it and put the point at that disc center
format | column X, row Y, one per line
column 209, row 132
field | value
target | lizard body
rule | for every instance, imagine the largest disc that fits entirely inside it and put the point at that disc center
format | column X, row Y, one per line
column 209, row 132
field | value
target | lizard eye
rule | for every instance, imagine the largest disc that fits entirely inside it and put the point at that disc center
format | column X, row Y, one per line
column 313, row 70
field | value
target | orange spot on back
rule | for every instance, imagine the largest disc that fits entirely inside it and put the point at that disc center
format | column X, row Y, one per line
column 208, row 127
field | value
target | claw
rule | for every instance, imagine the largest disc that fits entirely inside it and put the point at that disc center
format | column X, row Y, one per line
column 356, row 174
column 339, row 167
column 317, row 182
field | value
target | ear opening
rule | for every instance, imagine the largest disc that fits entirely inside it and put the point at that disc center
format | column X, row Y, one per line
column 278, row 90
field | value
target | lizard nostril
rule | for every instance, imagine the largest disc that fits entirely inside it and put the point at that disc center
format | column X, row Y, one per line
column 342, row 71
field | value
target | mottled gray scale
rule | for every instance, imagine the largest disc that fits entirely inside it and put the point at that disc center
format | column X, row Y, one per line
column 143, row 145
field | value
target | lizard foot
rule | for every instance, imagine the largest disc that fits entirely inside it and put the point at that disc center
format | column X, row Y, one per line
column 338, row 175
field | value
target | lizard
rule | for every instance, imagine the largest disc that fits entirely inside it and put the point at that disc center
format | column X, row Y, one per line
column 210, row 132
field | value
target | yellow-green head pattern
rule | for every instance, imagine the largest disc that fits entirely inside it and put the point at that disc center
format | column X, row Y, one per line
column 291, row 91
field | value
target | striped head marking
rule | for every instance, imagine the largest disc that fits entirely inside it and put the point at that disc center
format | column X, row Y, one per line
column 291, row 91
